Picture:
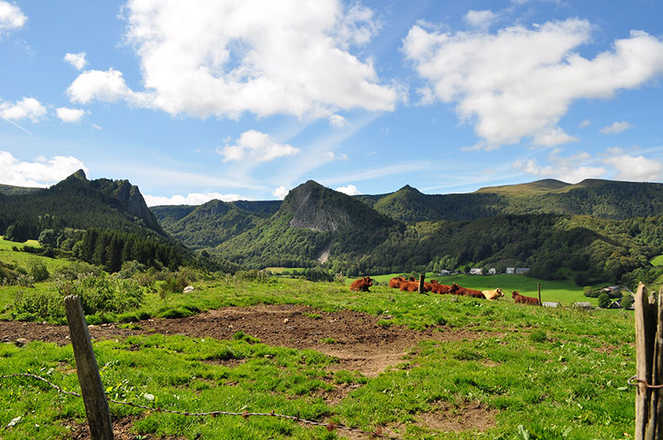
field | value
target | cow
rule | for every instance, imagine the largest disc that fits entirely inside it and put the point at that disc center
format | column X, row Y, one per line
column 492, row 294
column 409, row 286
column 361, row 285
column 472, row 293
column 518, row 298
column 442, row 289
column 396, row 282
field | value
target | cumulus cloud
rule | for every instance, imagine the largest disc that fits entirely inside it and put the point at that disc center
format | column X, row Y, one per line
column 480, row 19
column 104, row 85
column 212, row 58
column 76, row 59
column 636, row 168
column 350, row 190
column 572, row 169
column 26, row 108
column 97, row 127
column 281, row 192
column 585, row 123
column 255, row 146
column 69, row 115
column 11, row 17
column 40, row 173
column 616, row 127
column 190, row 199
column 337, row 121
column 552, row 137
column 519, row 82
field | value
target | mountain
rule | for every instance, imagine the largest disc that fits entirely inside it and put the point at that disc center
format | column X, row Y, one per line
column 9, row 190
column 599, row 198
column 214, row 222
column 77, row 202
column 312, row 224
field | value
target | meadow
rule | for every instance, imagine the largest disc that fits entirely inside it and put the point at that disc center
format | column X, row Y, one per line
column 407, row 365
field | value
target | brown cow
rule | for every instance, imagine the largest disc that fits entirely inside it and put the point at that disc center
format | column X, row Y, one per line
column 518, row 298
column 396, row 282
column 361, row 285
column 410, row 286
column 441, row 288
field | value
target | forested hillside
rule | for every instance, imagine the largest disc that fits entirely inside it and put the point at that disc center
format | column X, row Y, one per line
column 76, row 203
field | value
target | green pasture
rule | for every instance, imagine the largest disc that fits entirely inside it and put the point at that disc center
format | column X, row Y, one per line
column 542, row 373
column 25, row 259
column 562, row 291
column 657, row 261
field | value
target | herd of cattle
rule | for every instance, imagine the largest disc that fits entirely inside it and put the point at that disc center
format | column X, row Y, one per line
column 412, row 285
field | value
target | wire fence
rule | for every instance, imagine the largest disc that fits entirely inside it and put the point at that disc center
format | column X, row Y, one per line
column 330, row 426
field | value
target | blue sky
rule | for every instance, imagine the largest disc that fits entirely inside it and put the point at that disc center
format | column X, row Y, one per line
column 247, row 99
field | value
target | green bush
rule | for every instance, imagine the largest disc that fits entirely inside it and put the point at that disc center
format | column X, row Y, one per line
column 591, row 293
column 39, row 272
column 98, row 295
column 72, row 271
column 130, row 268
column 604, row 300
column 627, row 301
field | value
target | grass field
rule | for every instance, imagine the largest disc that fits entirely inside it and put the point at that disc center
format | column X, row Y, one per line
column 564, row 292
column 24, row 259
column 559, row 373
column 657, row 261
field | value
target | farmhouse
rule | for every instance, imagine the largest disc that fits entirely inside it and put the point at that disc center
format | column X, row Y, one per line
column 476, row 271
column 444, row 273
column 492, row 271
column 510, row 270
column 522, row 270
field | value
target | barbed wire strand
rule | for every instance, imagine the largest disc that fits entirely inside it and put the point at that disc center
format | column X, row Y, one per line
column 633, row 380
column 330, row 426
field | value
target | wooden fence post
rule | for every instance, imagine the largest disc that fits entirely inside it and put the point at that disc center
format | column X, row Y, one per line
column 94, row 398
column 648, row 329
column 421, row 282
column 539, row 287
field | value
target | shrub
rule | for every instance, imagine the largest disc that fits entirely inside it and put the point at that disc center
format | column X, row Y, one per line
column 590, row 293
column 39, row 272
column 72, row 271
column 604, row 300
column 130, row 268
column 29, row 306
column 627, row 301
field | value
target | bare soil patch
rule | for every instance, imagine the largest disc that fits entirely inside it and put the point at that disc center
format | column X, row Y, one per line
column 360, row 344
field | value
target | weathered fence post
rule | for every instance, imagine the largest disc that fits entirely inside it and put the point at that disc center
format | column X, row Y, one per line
column 421, row 282
column 96, row 406
column 649, row 363
column 539, row 287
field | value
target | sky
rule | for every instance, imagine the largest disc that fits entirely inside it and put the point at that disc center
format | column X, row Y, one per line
column 246, row 99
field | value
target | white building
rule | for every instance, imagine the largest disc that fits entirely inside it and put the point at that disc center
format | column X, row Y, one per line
column 492, row 271
column 476, row 271
column 510, row 270
column 522, row 270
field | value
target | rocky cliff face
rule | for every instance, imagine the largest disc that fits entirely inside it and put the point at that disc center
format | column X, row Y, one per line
column 321, row 209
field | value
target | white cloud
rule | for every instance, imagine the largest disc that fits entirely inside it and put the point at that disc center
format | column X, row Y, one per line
column 337, row 121
column 480, row 19
column 332, row 155
column 519, row 82
column 636, row 168
column 585, row 123
column 97, row 127
column 212, row 58
column 104, row 85
column 350, row 190
column 191, row 199
column 26, row 108
column 375, row 173
column 40, row 173
column 616, row 127
column 255, row 146
column 281, row 192
column 552, row 137
column 66, row 114
column 11, row 17
column 572, row 169
column 76, row 59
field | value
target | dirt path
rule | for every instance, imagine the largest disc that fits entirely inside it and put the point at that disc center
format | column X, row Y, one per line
column 354, row 338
